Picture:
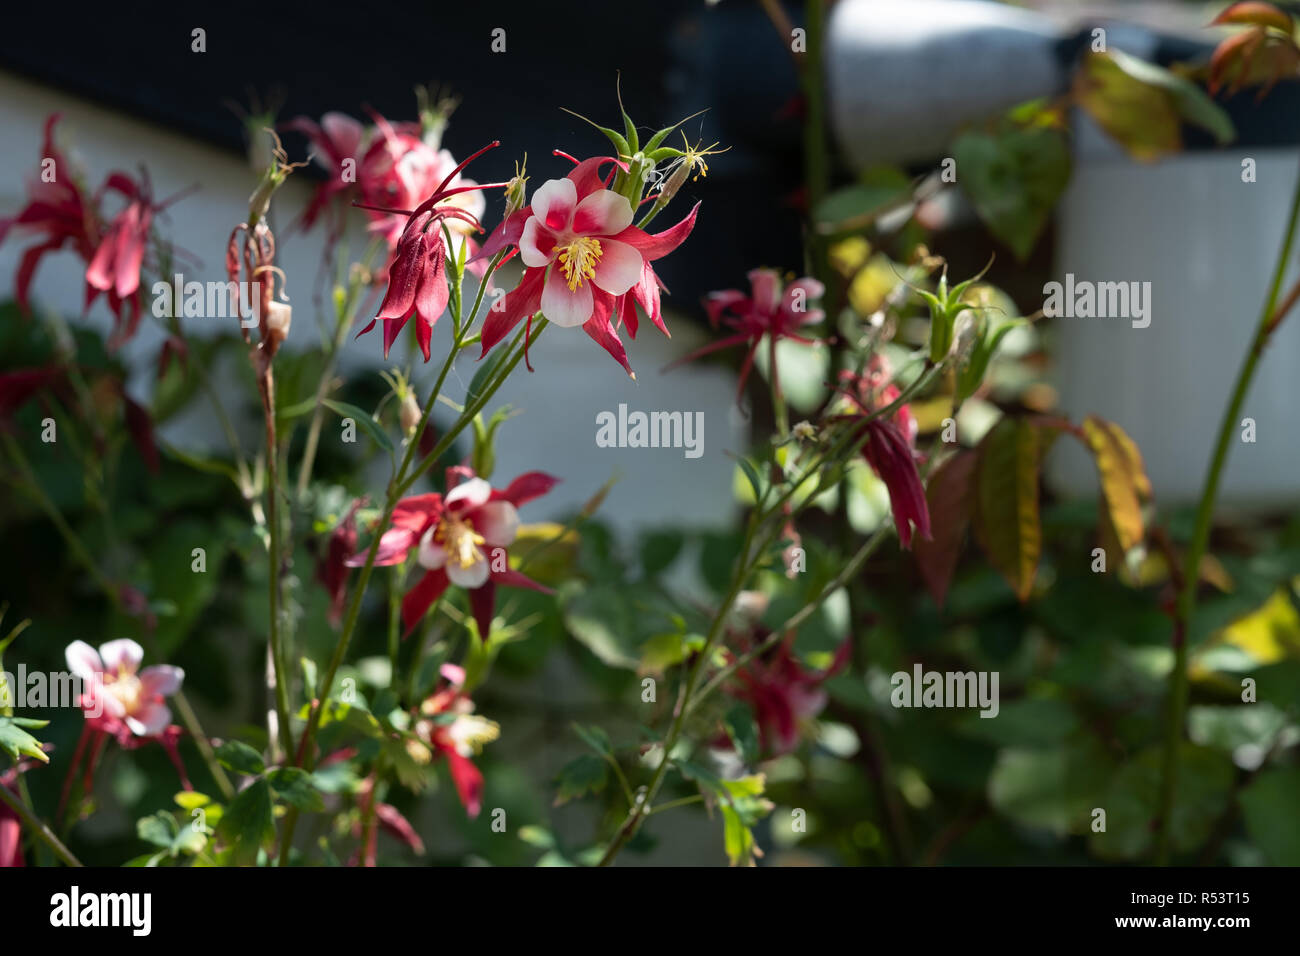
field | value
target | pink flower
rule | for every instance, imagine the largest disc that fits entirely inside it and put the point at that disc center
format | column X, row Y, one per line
column 332, row 568
column 782, row 693
column 392, row 167
column 335, row 140
column 122, row 703
column 417, row 276
column 890, row 445
column 586, row 264
column 62, row 212
column 120, row 693
column 462, row 540
column 451, row 729
column 59, row 211
column 766, row 312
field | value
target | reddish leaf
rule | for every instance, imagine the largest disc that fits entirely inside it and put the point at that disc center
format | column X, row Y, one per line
column 951, row 499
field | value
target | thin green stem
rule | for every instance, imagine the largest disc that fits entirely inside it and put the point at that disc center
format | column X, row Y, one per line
column 797, row 619
column 306, row 755
column 283, row 740
column 1269, row 320
column 37, row 826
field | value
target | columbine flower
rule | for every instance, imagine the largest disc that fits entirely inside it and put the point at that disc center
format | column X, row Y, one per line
column 335, row 140
column 890, row 445
column 59, row 211
column 417, row 276
column 451, row 728
column 766, row 312
column 332, row 568
column 462, row 540
column 782, row 693
column 586, row 264
column 123, row 702
column 130, row 697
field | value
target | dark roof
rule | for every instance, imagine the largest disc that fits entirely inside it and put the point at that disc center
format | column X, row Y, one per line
column 674, row 57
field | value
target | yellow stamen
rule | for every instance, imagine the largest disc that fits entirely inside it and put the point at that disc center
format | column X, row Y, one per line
column 458, row 538
column 127, row 689
column 578, row 260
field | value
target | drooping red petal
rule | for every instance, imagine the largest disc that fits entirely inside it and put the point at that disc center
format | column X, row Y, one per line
column 27, row 268
column 587, row 178
column 646, row 292
column 482, row 604
column 431, row 298
column 418, row 511
column 529, row 485
column 602, row 331
column 657, row 245
column 404, row 274
column 521, row 302
column 392, row 820
column 468, row 781
column 420, row 598
column 890, row 455
column 506, row 234
column 515, row 579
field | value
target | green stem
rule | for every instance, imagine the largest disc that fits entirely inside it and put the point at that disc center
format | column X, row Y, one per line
column 306, row 756
column 641, row 808
column 283, row 741
column 1269, row 320
column 792, row 623
column 37, row 826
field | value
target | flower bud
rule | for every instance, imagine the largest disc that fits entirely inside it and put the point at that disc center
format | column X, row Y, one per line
column 517, row 189
column 409, row 414
column 279, row 316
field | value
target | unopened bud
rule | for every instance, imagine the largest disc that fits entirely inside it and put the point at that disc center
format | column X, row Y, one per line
column 279, row 315
column 517, row 189
column 409, row 413
column 674, row 183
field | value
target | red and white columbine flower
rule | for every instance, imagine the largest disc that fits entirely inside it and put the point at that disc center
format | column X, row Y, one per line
column 123, row 702
column 585, row 263
column 417, row 276
column 62, row 213
column 121, row 693
column 890, row 447
column 767, row 311
column 449, row 726
column 782, row 693
column 460, row 539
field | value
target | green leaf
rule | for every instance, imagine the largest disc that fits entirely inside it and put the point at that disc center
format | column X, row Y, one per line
column 740, row 727
column 604, row 620
column 1191, row 102
column 1014, row 178
column 1123, row 478
column 486, row 370
column 1050, row 789
column 1131, row 803
column 160, row 829
column 17, row 742
column 581, row 776
column 855, row 207
column 595, row 738
column 1006, row 505
column 237, row 756
column 248, row 824
column 295, row 786
column 737, row 839
column 1268, row 805
column 365, row 420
